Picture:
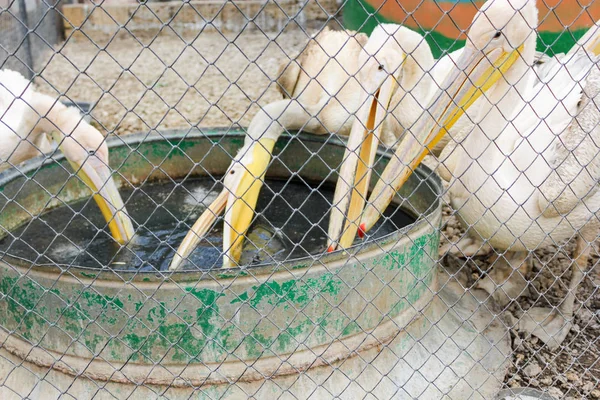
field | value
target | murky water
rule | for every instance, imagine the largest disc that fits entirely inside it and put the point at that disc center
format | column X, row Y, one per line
column 292, row 220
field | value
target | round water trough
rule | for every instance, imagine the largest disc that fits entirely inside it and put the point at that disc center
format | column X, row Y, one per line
column 372, row 321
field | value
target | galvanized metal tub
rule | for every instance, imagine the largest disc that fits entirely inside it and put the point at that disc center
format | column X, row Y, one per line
column 225, row 331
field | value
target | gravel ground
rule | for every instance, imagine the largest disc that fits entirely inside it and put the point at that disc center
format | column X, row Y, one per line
column 573, row 371
column 165, row 82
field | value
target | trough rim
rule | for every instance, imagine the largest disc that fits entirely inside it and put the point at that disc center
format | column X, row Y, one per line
column 423, row 223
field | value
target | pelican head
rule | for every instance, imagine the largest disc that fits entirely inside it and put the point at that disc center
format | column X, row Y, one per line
column 242, row 184
column 308, row 84
column 500, row 46
column 393, row 63
column 86, row 150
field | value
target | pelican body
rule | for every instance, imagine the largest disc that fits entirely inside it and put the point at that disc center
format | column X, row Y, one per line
column 29, row 121
column 527, row 176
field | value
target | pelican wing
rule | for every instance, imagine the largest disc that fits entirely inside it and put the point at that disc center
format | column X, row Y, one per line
column 17, row 119
column 15, row 95
column 574, row 154
column 287, row 77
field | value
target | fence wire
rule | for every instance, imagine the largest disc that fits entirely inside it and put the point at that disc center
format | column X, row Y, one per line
column 223, row 200
column 29, row 29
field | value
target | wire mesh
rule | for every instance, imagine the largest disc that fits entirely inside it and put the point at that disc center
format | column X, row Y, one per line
column 29, row 29
column 254, row 145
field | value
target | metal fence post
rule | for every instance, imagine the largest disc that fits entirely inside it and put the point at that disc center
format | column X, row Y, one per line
column 24, row 28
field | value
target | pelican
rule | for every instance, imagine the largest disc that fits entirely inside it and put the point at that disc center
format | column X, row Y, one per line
column 320, row 97
column 529, row 170
column 544, row 67
column 323, row 96
column 400, row 78
column 27, row 117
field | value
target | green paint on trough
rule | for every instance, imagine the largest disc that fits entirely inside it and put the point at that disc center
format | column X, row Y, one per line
column 209, row 309
column 293, row 291
column 104, row 301
column 241, row 298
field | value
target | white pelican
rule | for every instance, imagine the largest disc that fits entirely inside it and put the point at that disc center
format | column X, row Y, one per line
column 26, row 117
column 400, row 77
column 324, row 97
column 528, row 175
column 321, row 98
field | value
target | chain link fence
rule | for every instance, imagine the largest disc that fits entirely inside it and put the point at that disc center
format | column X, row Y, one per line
column 223, row 200
column 29, row 30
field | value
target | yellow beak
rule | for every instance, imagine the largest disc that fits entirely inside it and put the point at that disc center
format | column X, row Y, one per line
column 355, row 172
column 98, row 177
column 590, row 41
column 467, row 81
column 594, row 46
column 238, row 202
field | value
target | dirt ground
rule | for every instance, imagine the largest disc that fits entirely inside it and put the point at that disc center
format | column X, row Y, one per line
column 165, row 82
column 572, row 371
column 141, row 83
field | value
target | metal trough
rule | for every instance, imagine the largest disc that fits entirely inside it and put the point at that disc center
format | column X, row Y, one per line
column 321, row 327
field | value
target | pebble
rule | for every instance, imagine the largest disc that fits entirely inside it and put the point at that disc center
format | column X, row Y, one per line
column 534, row 382
column 573, row 377
column 534, row 340
column 513, row 383
column 533, row 369
column 518, row 343
column 556, row 393
column 595, row 394
column 519, row 357
column 588, row 387
column 546, row 381
column 511, row 322
column 585, row 315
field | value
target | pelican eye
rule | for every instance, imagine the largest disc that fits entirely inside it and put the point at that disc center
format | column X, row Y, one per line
column 92, row 152
column 497, row 35
column 381, row 67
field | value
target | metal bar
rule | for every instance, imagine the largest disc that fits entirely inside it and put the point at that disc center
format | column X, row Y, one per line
column 24, row 28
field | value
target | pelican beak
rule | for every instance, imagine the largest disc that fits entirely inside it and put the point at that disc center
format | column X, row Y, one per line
column 200, row 228
column 238, row 199
column 96, row 174
column 355, row 172
column 475, row 72
column 593, row 45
